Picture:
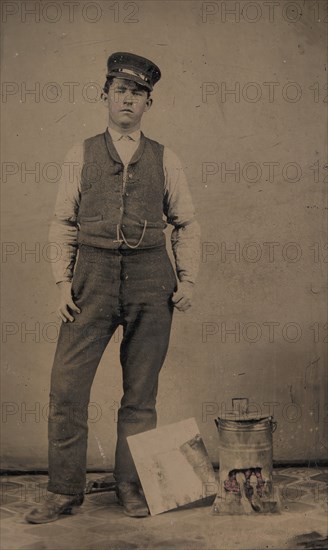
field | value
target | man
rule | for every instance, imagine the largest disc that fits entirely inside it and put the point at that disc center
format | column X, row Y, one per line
column 112, row 212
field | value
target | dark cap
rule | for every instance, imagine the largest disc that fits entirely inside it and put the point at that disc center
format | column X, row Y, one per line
column 133, row 67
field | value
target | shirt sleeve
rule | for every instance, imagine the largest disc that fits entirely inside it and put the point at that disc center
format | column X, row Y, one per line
column 180, row 212
column 63, row 228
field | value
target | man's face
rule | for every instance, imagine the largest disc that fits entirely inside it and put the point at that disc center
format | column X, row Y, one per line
column 126, row 104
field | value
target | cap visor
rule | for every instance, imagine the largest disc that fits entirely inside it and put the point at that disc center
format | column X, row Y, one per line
column 134, row 78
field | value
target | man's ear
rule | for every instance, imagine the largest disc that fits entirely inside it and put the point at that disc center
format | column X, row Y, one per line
column 149, row 103
column 104, row 97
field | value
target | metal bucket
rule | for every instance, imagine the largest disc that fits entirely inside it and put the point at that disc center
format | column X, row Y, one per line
column 245, row 444
column 245, row 460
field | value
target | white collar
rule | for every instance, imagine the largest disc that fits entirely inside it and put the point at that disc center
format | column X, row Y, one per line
column 116, row 136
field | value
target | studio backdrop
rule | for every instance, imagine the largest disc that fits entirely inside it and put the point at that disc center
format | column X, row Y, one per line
column 242, row 102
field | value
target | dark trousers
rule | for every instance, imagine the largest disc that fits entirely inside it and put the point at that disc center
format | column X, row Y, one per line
column 132, row 288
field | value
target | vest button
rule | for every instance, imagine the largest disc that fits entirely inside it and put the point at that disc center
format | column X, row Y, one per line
column 130, row 176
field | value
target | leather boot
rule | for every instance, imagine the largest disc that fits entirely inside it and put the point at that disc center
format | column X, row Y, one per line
column 53, row 506
column 132, row 500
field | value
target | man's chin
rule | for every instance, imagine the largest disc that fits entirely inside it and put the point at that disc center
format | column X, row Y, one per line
column 126, row 124
column 126, row 121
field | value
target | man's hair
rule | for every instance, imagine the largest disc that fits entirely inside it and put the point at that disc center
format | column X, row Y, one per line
column 109, row 82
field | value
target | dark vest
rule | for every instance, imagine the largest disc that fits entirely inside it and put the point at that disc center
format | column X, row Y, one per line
column 115, row 214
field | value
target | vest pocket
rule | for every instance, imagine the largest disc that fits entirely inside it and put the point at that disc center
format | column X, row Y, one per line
column 156, row 225
column 96, row 218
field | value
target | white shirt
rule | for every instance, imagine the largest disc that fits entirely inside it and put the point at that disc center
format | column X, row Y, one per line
column 126, row 146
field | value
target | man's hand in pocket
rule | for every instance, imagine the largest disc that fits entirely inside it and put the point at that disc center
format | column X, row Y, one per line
column 182, row 298
column 66, row 304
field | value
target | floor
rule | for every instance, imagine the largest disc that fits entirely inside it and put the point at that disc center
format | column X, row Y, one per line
column 101, row 525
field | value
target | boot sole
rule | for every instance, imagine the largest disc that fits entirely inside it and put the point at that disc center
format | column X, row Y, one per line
column 135, row 515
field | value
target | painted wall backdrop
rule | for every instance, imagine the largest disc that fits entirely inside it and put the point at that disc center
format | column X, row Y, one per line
column 242, row 101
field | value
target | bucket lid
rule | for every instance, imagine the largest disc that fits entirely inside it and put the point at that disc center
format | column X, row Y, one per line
column 246, row 417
